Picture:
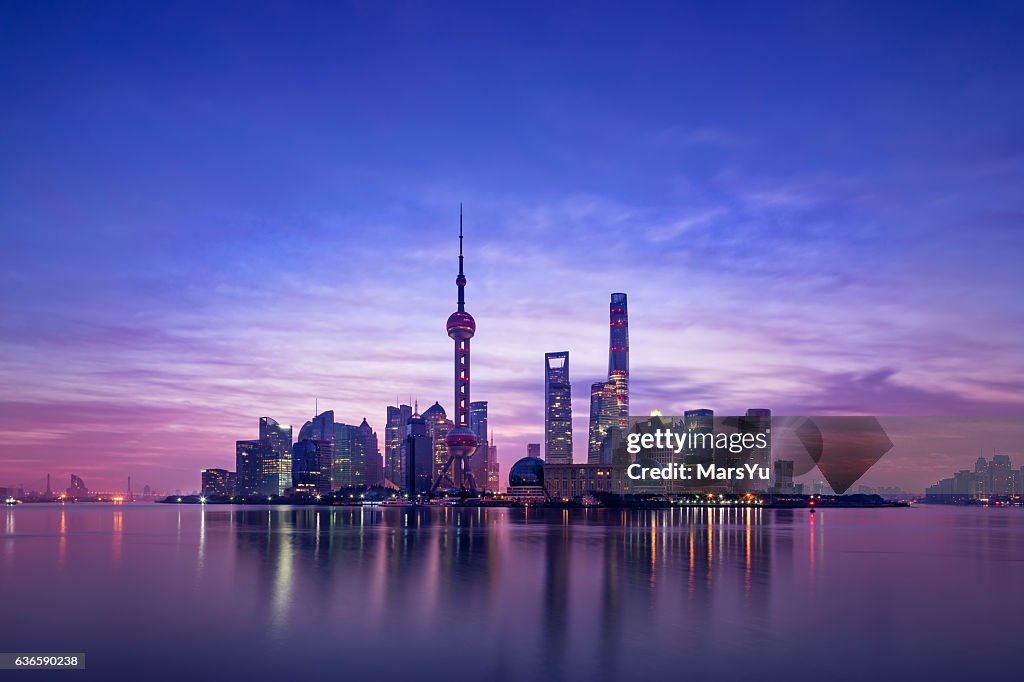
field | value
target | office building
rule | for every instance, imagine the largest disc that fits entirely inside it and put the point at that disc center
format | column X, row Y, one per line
column 480, row 462
column 557, row 409
column 215, row 482
column 419, row 457
column 394, row 437
column 248, row 467
column 311, row 466
column 275, row 457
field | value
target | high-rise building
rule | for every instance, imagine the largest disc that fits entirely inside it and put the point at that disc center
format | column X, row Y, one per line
column 350, row 456
column 557, row 409
column 311, row 466
column 320, row 427
column 533, row 450
column 480, row 462
column 275, row 457
column 494, row 469
column 419, row 457
column 460, row 439
column 700, row 422
column 373, row 466
column 249, row 467
column 618, row 356
column 783, row 482
column 981, row 470
column 394, row 438
column 757, row 421
column 609, row 400
column 1000, row 473
column 604, row 415
column 438, row 425
column 215, row 482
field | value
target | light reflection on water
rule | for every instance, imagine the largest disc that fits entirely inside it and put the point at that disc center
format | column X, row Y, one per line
column 724, row 593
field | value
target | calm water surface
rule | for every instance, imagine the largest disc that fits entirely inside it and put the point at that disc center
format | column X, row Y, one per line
column 169, row 592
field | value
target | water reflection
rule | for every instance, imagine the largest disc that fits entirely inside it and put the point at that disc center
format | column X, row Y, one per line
column 557, row 586
column 519, row 594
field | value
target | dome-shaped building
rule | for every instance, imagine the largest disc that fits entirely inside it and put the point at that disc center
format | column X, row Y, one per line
column 434, row 413
column 526, row 480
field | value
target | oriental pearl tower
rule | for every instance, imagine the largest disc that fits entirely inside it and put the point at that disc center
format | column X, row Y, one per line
column 460, row 440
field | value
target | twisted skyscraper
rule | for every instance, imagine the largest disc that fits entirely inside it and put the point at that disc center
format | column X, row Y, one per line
column 461, row 441
column 609, row 400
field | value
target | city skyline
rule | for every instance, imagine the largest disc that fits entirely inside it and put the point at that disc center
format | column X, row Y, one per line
column 202, row 235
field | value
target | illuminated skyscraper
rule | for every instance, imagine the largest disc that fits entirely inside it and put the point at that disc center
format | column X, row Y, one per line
column 460, row 440
column 394, row 437
column 353, row 449
column 249, row 467
column 557, row 409
column 700, row 422
column 438, row 425
column 311, row 465
column 480, row 462
column 494, row 469
column 618, row 357
column 604, row 415
column 609, row 400
column 275, row 454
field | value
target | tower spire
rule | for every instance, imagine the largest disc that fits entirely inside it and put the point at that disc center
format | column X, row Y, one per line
column 460, row 281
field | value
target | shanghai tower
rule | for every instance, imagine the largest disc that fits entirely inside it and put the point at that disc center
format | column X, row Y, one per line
column 618, row 357
column 461, row 441
column 609, row 400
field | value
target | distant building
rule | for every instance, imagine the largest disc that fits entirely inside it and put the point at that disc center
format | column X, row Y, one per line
column 700, row 422
column 756, row 421
column 395, row 431
column 78, row 489
column 494, row 472
column 533, row 450
column 215, row 482
column 1000, row 473
column 783, row 483
column 981, row 471
column 557, row 409
column 574, row 481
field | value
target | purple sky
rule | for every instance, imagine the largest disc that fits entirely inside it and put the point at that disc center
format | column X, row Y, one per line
column 211, row 215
